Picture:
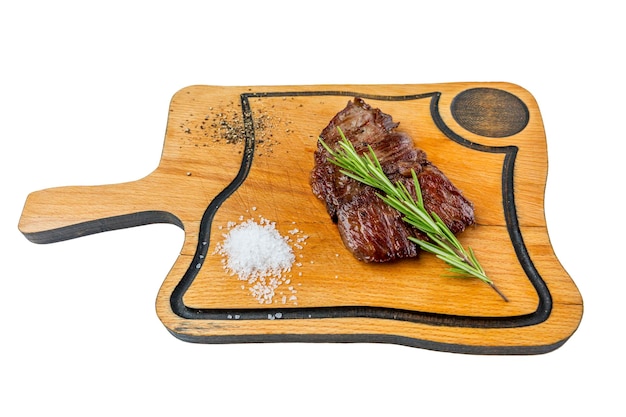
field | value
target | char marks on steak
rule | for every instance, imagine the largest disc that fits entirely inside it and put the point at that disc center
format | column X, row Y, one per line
column 369, row 228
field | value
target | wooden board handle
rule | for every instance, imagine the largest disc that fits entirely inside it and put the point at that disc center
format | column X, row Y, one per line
column 62, row 213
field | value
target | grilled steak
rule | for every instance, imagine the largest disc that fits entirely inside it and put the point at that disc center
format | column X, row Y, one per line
column 369, row 228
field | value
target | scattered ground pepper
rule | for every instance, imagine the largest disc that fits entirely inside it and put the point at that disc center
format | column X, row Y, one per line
column 228, row 125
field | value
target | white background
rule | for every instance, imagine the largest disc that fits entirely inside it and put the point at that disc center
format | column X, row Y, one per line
column 84, row 95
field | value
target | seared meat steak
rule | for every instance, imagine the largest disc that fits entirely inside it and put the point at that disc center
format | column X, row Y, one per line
column 369, row 228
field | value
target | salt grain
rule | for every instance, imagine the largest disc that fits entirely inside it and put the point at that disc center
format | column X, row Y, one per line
column 256, row 251
column 258, row 254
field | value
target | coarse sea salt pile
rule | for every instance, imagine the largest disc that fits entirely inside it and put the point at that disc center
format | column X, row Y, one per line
column 259, row 255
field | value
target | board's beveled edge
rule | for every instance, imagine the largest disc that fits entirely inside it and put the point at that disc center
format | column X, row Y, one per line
column 91, row 227
column 373, row 338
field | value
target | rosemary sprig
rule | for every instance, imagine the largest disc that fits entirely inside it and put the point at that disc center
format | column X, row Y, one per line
column 441, row 241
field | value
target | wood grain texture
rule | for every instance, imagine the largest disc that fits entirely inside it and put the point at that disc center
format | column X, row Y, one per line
column 237, row 153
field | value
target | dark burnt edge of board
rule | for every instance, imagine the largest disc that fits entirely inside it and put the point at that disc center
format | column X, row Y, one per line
column 106, row 224
column 435, row 319
column 373, row 338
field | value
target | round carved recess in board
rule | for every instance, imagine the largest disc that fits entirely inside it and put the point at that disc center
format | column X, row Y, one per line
column 490, row 112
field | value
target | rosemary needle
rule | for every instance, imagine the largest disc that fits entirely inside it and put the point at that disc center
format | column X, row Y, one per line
column 441, row 241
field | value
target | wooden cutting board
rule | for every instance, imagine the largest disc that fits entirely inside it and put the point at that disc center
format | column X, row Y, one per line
column 233, row 154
